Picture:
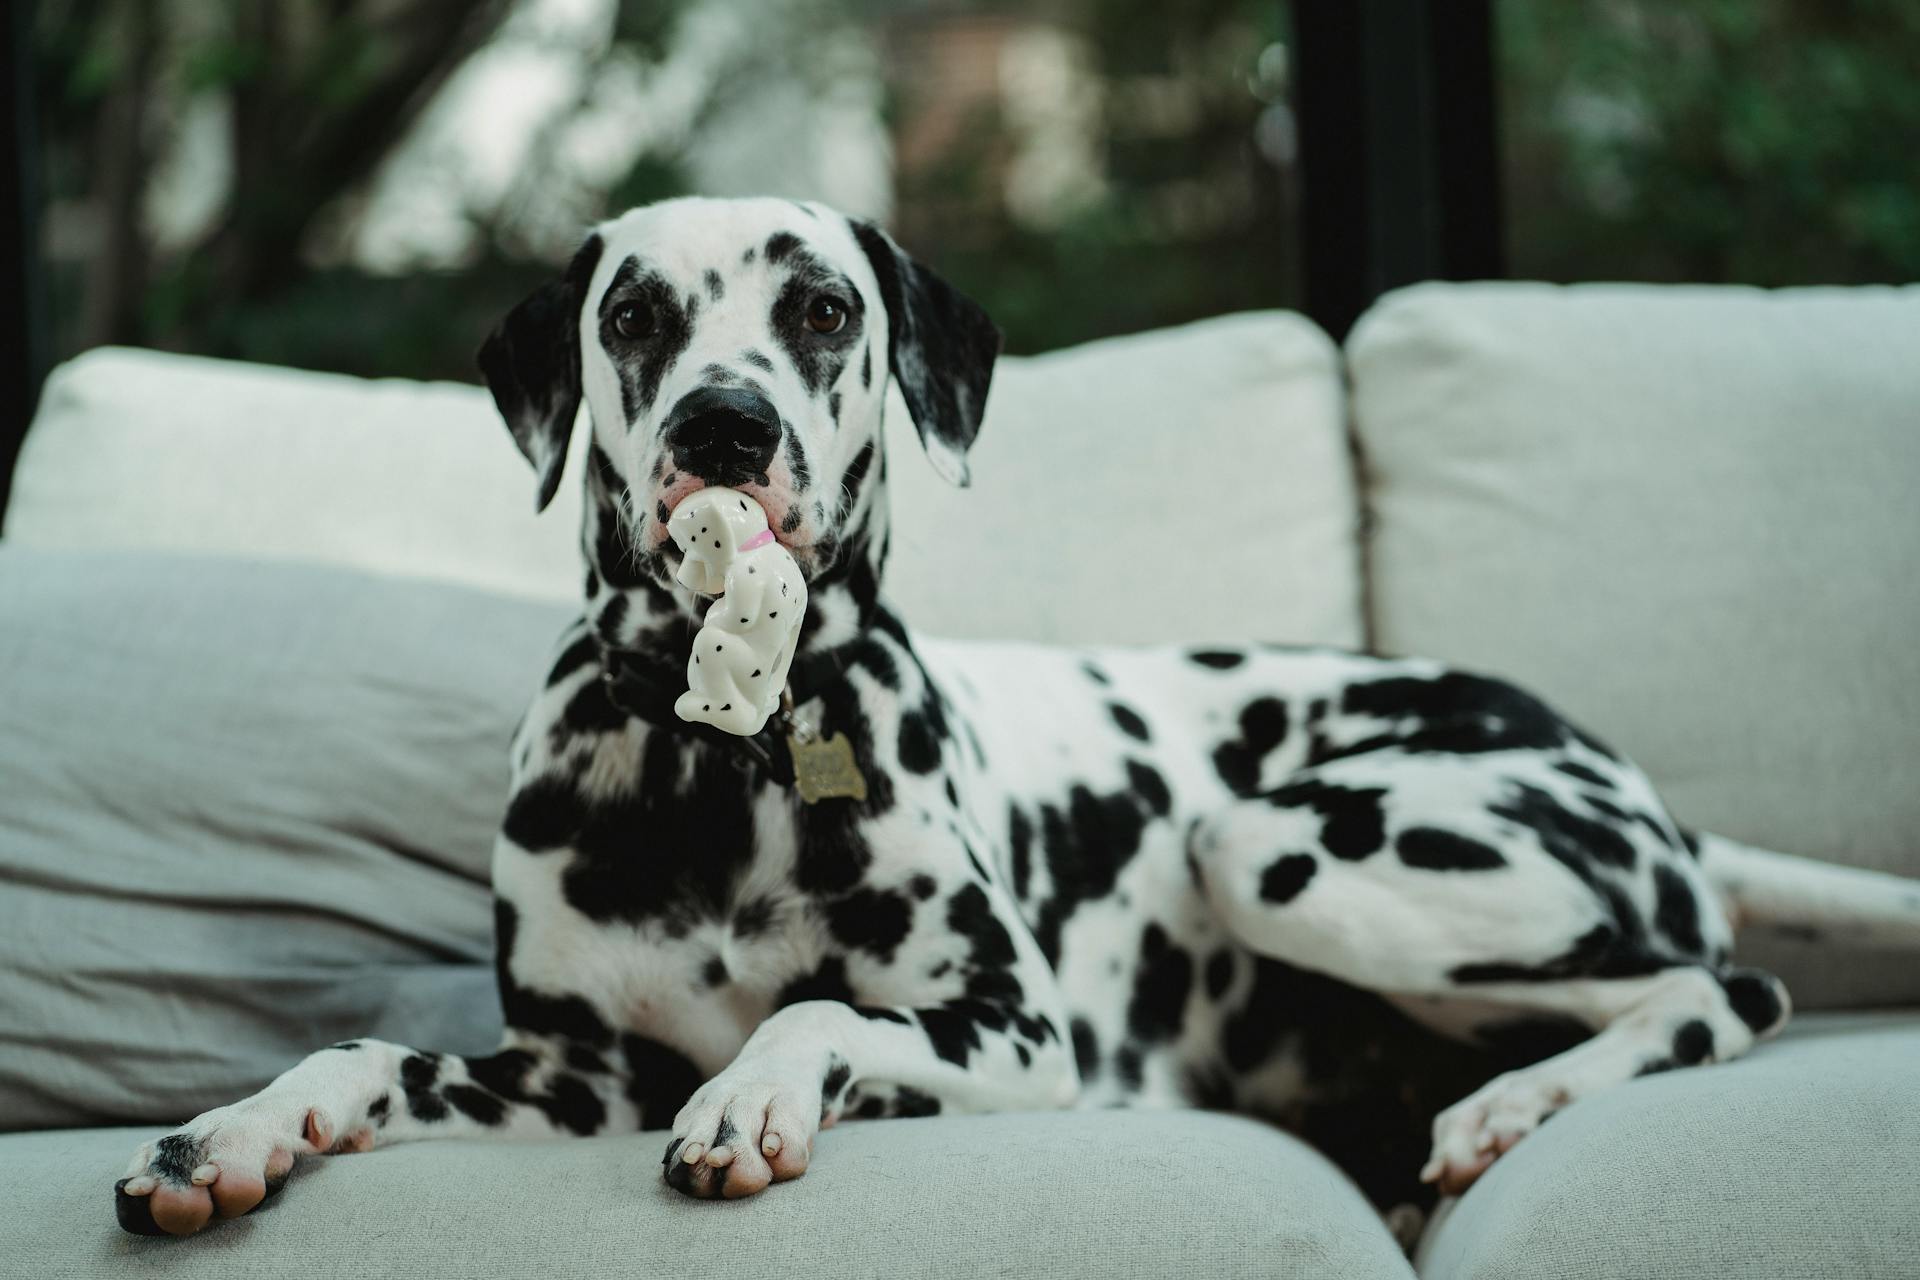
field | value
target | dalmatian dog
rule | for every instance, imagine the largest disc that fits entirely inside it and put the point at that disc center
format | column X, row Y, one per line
column 742, row 655
column 1405, row 911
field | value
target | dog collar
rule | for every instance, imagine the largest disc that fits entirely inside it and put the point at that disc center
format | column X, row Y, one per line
column 640, row 684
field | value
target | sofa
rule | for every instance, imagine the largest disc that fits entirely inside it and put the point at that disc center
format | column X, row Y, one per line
column 264, row 635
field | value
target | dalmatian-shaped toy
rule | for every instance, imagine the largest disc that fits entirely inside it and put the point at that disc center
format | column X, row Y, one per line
column 740, row 658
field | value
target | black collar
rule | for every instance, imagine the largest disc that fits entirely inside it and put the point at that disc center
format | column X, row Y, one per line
column 645, row 684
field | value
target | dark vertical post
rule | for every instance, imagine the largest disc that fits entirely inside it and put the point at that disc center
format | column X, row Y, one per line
column 23, row 333
column 1400, row 167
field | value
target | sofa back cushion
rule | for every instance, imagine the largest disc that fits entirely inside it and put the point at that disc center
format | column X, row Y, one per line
column 1687, row 516
column 1088, row 461
column 248, row 809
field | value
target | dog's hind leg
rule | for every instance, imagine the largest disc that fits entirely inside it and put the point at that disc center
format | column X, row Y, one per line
column 1680, row 1017
column 354, row 1096
column 1437, row 879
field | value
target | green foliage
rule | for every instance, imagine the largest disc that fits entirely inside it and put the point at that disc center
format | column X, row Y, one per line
column 1765, row 141
column 1760, row 141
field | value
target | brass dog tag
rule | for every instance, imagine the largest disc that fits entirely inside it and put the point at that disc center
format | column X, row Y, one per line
column 824, row 768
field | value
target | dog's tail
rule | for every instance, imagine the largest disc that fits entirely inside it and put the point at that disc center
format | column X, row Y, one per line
column 1806, row 898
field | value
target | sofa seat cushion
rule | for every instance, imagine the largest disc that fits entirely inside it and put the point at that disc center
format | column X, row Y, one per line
column 1068, row 1194
column 1797, row 1162
column 1686, row 517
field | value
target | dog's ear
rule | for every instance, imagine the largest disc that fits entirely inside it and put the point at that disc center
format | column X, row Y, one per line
column 531, row 362
column 940, row 348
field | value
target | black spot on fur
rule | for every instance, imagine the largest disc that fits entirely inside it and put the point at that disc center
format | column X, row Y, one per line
column 1458, row 714
column 752, row 917
column 544, row 814
column 1160, row 988
column 1754, row 998
column 1524, row 1040
column 716, row 287
column 873, row 920
column 1020, row 850
column 1095, row 674
column 1604, row 951
column 758, row 359
column 642, row 363
column 1432, row 849
column 175, row 1157
column 1287, row 877
column 1676, row 914
column 828, row 982
column 1692, row 1043
column 1150, row 787
column 1574, row 769
column 1352, row 826
column 659, row 1079
column 878, row 1013
column 569, row 1017
column 1219, row 973
column 780, row 244
column 476, row 1104
column 714, row 972
column 1263, row 726
column 835, row 1080
column 1571, row 838
column 418, row 1075
column 910, row 1103
column 1086, row 845
column 1086, row 1050
column 1129, row 721
column 576, row 655
column 1218, row 659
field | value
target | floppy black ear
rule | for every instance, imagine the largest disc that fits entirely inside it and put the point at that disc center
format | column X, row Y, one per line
column 940, row 346
column 531, row 362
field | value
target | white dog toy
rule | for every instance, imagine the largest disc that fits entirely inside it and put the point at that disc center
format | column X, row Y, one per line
column 740, row 658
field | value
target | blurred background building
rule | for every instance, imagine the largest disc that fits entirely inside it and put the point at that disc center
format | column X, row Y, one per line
column 366, row 185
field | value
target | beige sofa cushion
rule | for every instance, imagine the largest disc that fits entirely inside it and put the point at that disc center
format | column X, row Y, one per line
column 1798, row 1161
column 1065, row 1195
column 1238, row 418
column 1688, row 516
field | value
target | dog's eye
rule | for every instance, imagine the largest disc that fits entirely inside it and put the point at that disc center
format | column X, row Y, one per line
column 633, row 321
column 827, row 315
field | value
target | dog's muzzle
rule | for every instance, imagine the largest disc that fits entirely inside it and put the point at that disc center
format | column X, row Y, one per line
column 723, row 435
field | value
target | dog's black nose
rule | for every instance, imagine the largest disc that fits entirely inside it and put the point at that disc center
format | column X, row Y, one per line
column 724, row 435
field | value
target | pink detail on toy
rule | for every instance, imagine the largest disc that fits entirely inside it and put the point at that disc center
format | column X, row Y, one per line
column 759, row 539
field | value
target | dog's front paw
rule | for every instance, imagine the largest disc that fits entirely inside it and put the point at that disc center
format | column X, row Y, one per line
column 740, row 1132
column 222, row 1165
column 1474, row 1132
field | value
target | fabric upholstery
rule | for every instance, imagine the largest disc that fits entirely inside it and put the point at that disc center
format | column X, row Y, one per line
column 1192, row 484
column 1799, row 1161
column 167, row 452
column 248, row 810
column 1090, row 1194
column 1233, row 423
column 1686, row 516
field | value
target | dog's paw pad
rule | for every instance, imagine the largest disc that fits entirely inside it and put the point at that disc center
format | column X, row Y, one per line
column 736, row 1138
column 1470, row 1135
column 218, row 1167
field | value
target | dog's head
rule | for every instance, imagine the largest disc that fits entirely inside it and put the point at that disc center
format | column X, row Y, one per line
column 745, row 343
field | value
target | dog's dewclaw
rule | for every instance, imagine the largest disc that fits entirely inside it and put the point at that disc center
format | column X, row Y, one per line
column 740, row 657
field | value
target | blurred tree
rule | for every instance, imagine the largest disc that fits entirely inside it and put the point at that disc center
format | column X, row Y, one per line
column 320, row 91
column 1084, row 167
column 1765, row 142
column 1191, row 197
